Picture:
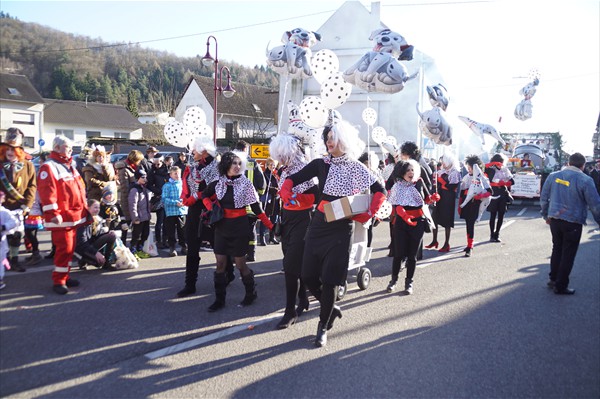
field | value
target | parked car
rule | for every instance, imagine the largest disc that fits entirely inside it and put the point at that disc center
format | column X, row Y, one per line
column 117, row 157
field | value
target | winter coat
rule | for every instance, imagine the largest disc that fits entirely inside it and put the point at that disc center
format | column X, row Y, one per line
column 96, row 177
column 139, row 203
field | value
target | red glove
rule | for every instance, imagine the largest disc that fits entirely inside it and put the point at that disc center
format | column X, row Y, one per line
column 402, row 213
column 362, row 217
column 189, row 201
column 265, row 221
column 207, row 203
column 286, row 192
column 432, row 199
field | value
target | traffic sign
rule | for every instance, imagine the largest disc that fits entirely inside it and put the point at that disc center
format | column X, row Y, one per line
column 41, row 142
column 259, row 150
column 428, row 144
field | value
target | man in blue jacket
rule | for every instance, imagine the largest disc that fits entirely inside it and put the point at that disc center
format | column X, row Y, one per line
column 565, row 198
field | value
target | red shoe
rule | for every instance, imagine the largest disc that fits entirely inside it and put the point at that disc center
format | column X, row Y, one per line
column 434, row 244
column 445, row 248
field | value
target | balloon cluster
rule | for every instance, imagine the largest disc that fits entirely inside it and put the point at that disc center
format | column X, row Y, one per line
column 183, row 134
column 379, row 70
column 433, row 124
column 388, row 144
column 308, row 135
column 524, row 109
column 293, row 57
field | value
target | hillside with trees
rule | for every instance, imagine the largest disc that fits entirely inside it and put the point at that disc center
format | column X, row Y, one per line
column 73, row 67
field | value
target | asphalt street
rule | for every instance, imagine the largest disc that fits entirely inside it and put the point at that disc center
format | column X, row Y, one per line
column 479, row 327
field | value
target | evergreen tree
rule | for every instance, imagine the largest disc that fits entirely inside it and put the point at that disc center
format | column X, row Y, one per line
column 132, row 106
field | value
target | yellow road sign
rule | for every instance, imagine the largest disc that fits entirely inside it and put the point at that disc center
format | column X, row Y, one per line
column 259, row 150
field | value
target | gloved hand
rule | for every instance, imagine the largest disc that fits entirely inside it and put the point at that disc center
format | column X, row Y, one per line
column 286, row 192
column 432, row 199
column 207, row 203
column 189, row 201
column 362, row 217
column 265, row 221
column 400, row 211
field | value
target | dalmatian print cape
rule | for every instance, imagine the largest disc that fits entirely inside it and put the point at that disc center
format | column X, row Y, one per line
column 453, row 175
column 406, row 194
column 289, row 170
column 210, row 173
column 347, row 177
column 243, row 190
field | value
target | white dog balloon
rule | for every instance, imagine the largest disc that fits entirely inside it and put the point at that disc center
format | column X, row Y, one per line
column 481, row 129
column 434, row 125
column 293, row 58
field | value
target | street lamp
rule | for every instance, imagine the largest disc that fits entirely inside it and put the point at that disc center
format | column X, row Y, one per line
column 228, row 90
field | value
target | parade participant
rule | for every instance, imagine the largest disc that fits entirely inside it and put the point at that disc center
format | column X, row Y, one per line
column 202, row 169
column 139, row 209
column 175, row 211
column 110, row 210
column 62, row 197
column 565, row 197
column 327, row 244
column 126, row 170
column 447, row 180
column 470, row 211
column 97, row 173
column 295, row 219
column 18, row 182
column 501, row 180
column 408, row 195
column 232, row 193
column 255, row 175
column 270, row 202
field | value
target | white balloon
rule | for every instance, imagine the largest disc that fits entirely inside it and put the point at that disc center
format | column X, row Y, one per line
column 205, row 130
column 335, row 91
column 369, row 116
column 390, row 140
column 378, row 134
column 385, row 210
column 176, row 134
column 313, row 112
column 193, row 118
column 324, row 63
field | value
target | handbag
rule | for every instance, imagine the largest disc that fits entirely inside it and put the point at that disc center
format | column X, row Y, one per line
column 216, row 214
column 156, row 203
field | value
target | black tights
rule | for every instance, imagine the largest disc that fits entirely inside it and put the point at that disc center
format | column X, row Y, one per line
column 31, row 235
column 325, row 294
column 293, row 287
column 496, row 230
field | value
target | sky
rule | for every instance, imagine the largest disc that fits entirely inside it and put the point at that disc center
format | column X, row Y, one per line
column 485, row 50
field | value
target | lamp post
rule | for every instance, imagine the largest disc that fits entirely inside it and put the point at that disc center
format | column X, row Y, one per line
column 228, row 90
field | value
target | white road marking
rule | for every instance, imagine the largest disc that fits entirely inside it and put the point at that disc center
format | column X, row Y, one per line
column 507, row 224
column 522, row 212
column 211, row 337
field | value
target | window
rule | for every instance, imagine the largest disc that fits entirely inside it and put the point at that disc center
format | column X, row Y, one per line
column 68, row 133
column 13, row 92
column 21, row 118
column 92, row 133
column 28, row 142
column 121, row 135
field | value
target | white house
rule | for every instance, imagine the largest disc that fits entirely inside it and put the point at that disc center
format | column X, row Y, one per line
column 21, row 106
column 80, row 120
column 396, row 112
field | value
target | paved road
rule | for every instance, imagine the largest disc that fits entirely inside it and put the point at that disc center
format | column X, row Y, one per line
column 482, row 327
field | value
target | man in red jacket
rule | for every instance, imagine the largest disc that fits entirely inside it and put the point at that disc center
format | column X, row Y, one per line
column 63, row 201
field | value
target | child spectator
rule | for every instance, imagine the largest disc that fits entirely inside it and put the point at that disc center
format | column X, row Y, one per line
column 175, row 210
column 139, row 209
column 110, row 210
column 8, row 223
column 95, row 243
column 33, row 223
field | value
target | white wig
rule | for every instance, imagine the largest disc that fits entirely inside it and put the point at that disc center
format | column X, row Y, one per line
column 450, row 160
column 203, row 143
column 285, row 148
column 417, row 168
column 345, row 136
column 60, row 140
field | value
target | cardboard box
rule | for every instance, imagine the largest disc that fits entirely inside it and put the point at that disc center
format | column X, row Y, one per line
column 346, row 207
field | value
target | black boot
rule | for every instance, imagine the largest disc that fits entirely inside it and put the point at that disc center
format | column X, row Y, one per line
column 261, row 240
column 408, row 287
column 230, row 270
column 220, row 292
column 15, row 266
column 289, row 318
column 392, row 285
column 250, row 287
column 335, row 313
column 272, row 238
column 51, row 254
column 321, row 339
column 187, row 290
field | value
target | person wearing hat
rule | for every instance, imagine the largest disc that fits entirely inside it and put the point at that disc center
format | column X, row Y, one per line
column 62, row 197
column 146, row 163
column 158, row 175
column 139, row 210
column 110, row 209
column 18, row 182
column 181, row 161
column 97, row 173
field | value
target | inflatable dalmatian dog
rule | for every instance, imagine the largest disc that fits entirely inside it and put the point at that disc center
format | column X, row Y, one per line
column 481, row 129
column 295, row 124
column 435, row 126
column 379, row 70
column 293, row 57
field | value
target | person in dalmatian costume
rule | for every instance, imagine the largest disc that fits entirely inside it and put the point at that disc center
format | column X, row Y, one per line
column 327, row 244
column 408, row 194
column 233, row 192
column 295, row 218
column 64, row 204
column 501, row 179
column 202, row 170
